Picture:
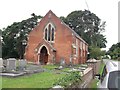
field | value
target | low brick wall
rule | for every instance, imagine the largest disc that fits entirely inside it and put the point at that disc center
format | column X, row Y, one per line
column 89, row 74
column 95, row 66
column 87, row 77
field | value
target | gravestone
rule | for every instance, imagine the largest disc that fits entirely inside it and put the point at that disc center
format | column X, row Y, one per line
column 11, row 64
column 22, row 64
column 62, row 62
column 5, row 63
column 1, row 64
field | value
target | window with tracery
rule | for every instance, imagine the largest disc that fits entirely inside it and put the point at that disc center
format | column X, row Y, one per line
column 49, row 32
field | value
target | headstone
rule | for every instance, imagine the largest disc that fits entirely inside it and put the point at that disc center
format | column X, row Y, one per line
column 11, row 64
column 5, row 63
column 1, row 64
column 22, row 64
column 62, row 62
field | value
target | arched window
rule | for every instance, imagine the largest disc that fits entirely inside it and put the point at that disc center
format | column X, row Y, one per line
column 46, row 34
column 52, row 34
column 49, row 32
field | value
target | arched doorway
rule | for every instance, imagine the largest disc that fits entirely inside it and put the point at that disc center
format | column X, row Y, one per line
column 43, row 55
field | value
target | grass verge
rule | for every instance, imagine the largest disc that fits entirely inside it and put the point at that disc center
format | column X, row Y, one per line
column 40, row 80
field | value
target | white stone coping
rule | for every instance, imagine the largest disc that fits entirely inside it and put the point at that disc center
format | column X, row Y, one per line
column 11, row 74
column 87, row 70
column 83, row 72
column 57, row 86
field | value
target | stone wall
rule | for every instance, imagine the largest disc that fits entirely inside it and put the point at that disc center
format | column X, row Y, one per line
column 87, row 77
column 95, row 66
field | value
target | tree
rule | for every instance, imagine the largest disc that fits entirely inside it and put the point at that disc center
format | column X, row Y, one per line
column 14, row 34
column 114, row 51
column 88, row 26
column 96, row 52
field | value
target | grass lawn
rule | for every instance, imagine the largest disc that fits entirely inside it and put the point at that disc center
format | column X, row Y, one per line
column 50, row 67
column 39, row 80
column 44, row 79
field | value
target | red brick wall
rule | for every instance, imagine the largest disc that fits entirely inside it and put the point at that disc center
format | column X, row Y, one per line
column 63, row 41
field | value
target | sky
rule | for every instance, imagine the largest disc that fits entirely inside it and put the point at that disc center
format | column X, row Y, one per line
column 18, row 10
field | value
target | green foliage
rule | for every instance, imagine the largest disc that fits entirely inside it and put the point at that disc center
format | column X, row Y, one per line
column 88, row 26
column 14, row 34
column 95, row 52
column 101, row 68
column 69, row 79
column 114, row 51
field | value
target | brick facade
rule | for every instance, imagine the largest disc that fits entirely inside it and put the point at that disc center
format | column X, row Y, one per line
column 50, row 47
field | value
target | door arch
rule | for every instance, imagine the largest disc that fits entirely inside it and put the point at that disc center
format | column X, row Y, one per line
column 43, row 55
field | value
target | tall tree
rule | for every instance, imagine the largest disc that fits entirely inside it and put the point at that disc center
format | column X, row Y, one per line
column 88, row 26
column 15, row 34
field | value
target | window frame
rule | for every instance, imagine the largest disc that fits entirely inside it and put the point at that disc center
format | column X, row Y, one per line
column 52, row 40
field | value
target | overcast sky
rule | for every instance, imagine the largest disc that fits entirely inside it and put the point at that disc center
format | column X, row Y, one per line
column 18, row 10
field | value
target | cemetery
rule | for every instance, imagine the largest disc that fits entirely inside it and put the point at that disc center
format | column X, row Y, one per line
column 19, row 73
column 13, row 68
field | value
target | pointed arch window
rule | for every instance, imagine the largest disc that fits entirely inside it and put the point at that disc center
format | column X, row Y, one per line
column 49, row 33
column 46, row 33
column 52, row 34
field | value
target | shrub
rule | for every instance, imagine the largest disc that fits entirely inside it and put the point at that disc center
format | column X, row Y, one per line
column 69, row 79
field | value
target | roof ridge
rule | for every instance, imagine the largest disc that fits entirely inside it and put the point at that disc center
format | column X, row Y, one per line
column 78, row 36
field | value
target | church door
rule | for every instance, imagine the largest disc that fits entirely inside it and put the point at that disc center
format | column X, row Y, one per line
column 43, row 56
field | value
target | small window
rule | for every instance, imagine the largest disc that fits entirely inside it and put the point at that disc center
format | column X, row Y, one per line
column 46, row 34
column 74, row 51
column 49, row 31
column 52, row 34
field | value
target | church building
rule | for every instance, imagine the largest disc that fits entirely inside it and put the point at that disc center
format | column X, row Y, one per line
column 52, row 41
